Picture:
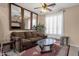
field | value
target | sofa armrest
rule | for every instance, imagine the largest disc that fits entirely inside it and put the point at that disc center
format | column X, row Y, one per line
column 25, row 40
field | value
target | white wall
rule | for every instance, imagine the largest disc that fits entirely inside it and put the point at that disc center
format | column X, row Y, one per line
column 41, row 19
column 4, row 21
column 71, row 24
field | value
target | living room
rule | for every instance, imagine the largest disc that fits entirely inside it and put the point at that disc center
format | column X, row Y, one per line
column 66, row 25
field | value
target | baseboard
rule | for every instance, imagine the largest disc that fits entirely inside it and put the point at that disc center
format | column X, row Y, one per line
column 74, row 45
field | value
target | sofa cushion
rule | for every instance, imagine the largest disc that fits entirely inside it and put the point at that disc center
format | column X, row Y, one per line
column 28, row 34
column 40, row 34
column 35, row 39
column 26, row 40
column 34, row 34
column 18, row 34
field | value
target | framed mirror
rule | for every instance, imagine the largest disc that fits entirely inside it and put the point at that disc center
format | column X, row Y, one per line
column 21, row 18
column 15, row 17
column 27, row 19
column 34, row 20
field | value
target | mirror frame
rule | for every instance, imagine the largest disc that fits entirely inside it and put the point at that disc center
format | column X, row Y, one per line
column 33, row 18
column 29, row 19
column 22, row 15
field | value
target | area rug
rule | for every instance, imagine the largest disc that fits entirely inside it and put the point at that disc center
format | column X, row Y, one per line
column 35, row 51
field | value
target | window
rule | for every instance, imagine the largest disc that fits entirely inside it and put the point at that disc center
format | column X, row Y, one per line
column 54, row 24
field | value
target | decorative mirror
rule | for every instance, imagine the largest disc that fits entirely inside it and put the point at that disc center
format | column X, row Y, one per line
column 27, row 19
column 16, row 17
column 21, row 18
column 34, row 20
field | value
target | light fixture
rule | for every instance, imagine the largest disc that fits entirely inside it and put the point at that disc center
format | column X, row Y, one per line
column 44, row 10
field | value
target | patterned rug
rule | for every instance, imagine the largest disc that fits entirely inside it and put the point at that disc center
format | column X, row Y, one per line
column 36, row 51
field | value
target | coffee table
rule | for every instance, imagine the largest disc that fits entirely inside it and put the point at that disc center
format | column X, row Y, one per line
column 46, row 44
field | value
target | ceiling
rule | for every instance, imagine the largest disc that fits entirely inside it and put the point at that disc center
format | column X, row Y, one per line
column 57, row 7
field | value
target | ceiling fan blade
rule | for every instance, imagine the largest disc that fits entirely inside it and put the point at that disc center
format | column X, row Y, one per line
column 37, row 7
column 49, row 9
column 53, row 4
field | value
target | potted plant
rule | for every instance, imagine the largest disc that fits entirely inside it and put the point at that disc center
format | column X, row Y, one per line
column 39, row 28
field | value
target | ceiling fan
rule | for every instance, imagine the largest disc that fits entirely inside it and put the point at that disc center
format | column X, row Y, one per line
column 44, row 7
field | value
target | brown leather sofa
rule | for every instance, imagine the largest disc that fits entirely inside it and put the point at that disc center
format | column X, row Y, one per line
column 28, row 39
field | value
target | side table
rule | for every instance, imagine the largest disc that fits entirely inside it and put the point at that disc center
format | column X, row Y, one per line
column 17, row 44
column 64, row 40
column 4, row 44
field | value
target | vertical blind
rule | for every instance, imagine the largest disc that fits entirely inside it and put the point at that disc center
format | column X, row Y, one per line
column 54, row 23
column 33, row 22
